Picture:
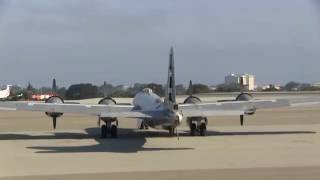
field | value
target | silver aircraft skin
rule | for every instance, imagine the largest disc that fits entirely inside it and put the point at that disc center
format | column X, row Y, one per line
column 5, row 93
column 151, row 110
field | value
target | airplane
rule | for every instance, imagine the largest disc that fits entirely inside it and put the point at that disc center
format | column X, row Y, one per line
column 151, row 110
column 5, row 93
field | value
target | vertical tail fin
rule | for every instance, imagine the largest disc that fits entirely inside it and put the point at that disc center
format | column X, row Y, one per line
column 171, row 85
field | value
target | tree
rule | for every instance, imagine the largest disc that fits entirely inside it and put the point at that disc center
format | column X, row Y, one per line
column 156, row 88
column 228, row 88
column 190, row 88
column 82, row 91
column 30, row 87
column 181, row 90
column 292, row 86
column 201, row 88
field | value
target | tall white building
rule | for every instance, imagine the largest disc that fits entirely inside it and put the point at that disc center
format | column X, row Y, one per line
column 246, row 80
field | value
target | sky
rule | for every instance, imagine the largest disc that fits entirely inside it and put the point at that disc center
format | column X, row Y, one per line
column 128, row 41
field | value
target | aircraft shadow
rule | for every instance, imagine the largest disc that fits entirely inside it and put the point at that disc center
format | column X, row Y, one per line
column 126, row 143
column 129, row 141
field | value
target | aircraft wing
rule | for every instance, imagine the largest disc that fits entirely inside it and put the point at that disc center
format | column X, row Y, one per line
column 95, row 110
column 231, row 108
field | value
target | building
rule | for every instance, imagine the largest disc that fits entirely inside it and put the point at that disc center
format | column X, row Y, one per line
column 316, row 84
column 245, row 80
column 248, row 81
column 232, row 79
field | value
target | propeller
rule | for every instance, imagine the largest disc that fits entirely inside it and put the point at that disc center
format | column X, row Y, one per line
column 54, row 121
column 241, row 120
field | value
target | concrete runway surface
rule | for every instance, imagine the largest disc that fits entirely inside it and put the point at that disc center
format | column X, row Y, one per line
column 275, row 144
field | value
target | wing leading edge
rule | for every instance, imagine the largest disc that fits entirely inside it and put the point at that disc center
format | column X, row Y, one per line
column 95, row 110
column 230, row 108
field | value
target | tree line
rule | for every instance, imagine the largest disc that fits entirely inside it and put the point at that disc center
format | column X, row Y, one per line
column 88, row 90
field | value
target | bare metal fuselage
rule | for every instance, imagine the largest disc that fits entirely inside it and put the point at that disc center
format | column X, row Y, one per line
column 162, row 116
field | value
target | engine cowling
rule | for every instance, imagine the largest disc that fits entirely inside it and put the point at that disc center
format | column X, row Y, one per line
column 54, row 115
column 244, row 97
column 54, row 100
column 195, row 120
column 107, row 101
column 192, row 100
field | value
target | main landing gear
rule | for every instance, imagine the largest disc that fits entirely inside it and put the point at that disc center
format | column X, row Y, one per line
column 198, row 126
column 109, row 128
column 172, row 131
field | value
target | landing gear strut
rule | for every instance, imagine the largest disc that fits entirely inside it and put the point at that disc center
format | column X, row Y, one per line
column 109, row 128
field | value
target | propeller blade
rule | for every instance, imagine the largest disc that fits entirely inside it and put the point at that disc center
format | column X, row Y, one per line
column 241, row 120
column 54, row 121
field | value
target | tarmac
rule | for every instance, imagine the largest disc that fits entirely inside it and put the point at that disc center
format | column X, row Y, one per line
column 274, row 144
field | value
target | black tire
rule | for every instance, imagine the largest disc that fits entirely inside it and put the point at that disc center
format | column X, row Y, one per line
column 171, row 131
column 104, row 131
column 203, row 129
column 193, row 129
column 141, row 126
column 114, row 131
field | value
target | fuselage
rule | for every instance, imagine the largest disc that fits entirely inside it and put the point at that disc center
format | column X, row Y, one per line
column 162, row 116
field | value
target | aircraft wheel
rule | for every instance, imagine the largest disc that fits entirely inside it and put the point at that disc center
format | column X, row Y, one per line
column 203, row 129
column 104, row 131
column 193, row 129
column 141, row 126
column 114, row 131
column 171, row 131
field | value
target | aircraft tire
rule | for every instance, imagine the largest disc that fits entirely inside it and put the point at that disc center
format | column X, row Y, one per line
column 203, row 129
column 193, row 129
column 114, row 131
column 103, row 131
column 171, row 131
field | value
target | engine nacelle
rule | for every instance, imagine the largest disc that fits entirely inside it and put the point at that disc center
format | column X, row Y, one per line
column 244, row 97
column 54, row 100
column 197, row 120
column 108, row 101
column 192, row 100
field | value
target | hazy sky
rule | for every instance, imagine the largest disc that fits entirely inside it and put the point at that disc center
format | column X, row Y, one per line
column 128, row 41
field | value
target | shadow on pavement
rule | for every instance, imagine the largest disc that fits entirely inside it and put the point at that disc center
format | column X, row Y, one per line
column 129, row 141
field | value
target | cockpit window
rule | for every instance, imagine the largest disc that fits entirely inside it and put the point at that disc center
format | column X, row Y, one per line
column 147, row 91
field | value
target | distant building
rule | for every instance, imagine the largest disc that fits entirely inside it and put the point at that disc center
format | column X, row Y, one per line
column 316, row 84
column 246, row 80
column 232, row 79
column 270, row 86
